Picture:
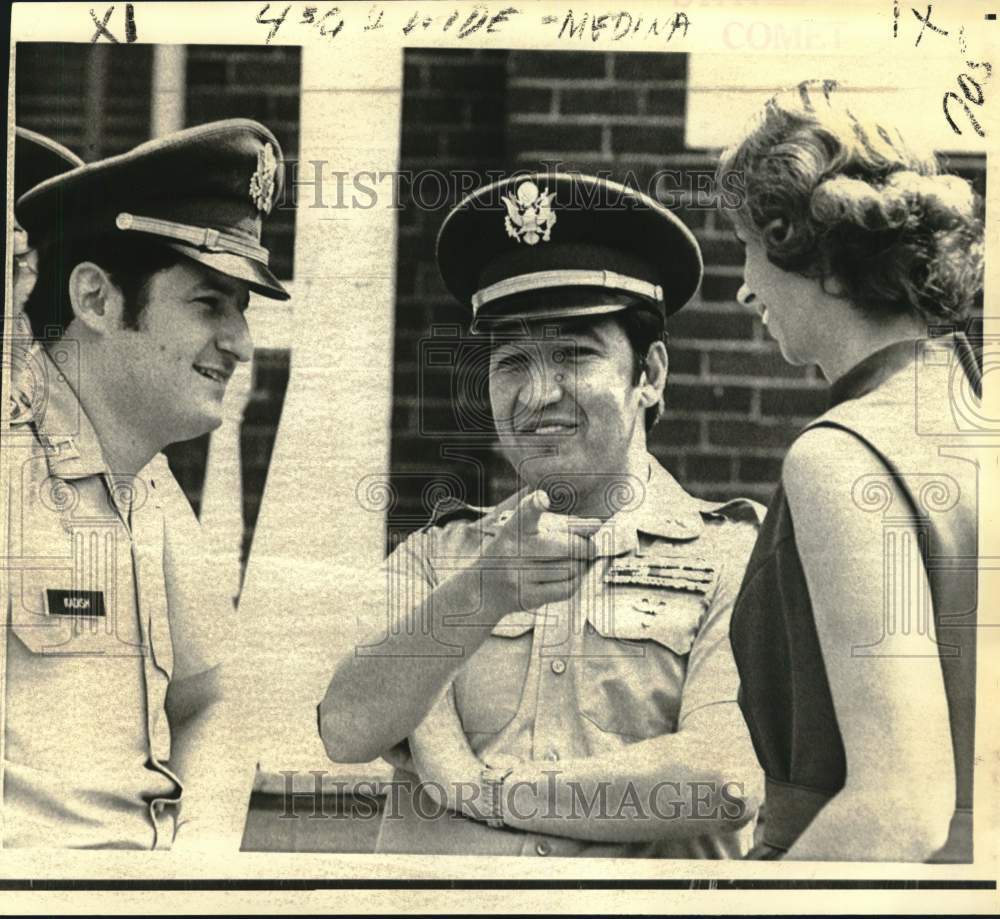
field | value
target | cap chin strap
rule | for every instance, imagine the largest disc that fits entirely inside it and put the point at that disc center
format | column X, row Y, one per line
column 203, row 238
column 569, row 277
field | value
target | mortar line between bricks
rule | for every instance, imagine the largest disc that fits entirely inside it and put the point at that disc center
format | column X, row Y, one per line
column 563, row 155
column 758, row 384
column 584, row 83
column 717, row 344
column 746, row 381
column 601, row 118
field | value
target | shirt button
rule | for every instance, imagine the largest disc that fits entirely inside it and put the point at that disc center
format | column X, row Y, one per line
column 558, row 666
column 543, row 848
column 552, row 756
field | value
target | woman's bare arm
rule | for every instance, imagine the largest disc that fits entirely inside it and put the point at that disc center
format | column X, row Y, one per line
column 868, row 596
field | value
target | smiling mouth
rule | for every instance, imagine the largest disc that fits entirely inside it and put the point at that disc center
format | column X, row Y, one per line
column 550, row 427
column 210, row 373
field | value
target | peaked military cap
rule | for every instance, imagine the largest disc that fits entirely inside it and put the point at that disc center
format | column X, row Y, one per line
column 37, row 158
column 203, row 191
column 554, row 245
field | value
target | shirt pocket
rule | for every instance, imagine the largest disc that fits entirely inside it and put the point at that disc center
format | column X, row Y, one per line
column 44, row 636
column 488, row 689
column 635, row 659
column 49, row 633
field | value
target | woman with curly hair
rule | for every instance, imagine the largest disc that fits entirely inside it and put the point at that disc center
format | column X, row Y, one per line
column 854, row 631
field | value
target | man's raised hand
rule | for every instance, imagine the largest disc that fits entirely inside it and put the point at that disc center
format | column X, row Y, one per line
column 527, row 561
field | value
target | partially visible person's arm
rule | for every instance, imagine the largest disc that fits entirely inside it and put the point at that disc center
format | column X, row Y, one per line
column 881, row 663
column 381, row 692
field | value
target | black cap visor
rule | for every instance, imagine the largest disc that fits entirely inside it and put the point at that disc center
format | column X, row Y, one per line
column 558, row 303
column 256, row 275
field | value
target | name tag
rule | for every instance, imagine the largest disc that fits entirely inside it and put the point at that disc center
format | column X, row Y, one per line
column 75, row 602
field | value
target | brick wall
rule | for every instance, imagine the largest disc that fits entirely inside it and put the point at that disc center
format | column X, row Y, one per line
column 93, row 99
column 733, row 404
column 454, row 119
column 260, row 421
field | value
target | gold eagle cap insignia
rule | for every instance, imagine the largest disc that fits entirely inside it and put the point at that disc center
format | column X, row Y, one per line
column 262, row 182
column 530, row 216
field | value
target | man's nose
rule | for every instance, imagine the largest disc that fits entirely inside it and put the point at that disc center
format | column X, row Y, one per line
column 552, row 384
column 545, row 385
column 235, row 336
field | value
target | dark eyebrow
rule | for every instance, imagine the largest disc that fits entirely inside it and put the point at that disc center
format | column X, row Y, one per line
column 586, row 333
column 508, row 345
column 208, row 288
column 583, row 325
column 507, row 350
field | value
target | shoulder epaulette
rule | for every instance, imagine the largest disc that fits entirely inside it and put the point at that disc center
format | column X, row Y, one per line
column 20, row 410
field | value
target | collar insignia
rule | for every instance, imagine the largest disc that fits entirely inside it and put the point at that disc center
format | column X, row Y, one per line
column 262, row 181
column 530, row 217
column 29, row 389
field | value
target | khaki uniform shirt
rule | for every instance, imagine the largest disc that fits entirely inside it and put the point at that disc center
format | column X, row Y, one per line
column 105, row 606
column 642, row 645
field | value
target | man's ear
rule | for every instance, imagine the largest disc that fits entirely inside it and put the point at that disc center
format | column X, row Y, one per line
column 654, row 377
column 96, row 300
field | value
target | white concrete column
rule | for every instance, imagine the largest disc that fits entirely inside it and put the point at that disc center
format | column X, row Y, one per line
column 169, row 87
column 313, row 539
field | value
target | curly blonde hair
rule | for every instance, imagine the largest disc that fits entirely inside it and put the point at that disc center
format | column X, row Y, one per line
column 832, row 194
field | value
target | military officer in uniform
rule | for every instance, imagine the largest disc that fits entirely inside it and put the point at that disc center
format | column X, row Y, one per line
column 118, row 730
column 592, row 706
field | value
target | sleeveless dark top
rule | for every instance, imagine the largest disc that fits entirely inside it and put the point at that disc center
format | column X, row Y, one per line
column 901, row 403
